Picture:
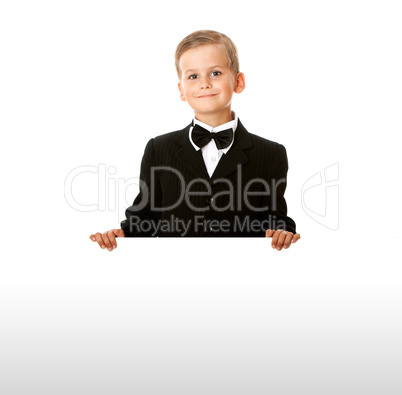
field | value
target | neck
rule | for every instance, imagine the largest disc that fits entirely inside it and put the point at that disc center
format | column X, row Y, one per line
column 215, row 119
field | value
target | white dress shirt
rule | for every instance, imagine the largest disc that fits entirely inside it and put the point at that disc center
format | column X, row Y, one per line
column 210, row 152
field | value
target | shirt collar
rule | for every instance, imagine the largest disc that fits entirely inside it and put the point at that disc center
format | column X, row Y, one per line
column 231, row 124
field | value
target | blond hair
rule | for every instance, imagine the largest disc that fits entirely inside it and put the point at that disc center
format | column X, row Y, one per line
column 205, row 37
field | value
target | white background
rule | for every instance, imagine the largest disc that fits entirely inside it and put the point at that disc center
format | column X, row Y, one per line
column 87, row 83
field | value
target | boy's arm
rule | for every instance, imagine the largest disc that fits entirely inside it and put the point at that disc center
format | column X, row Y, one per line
column 278, row 207
column 283, row 230
column 141, row 220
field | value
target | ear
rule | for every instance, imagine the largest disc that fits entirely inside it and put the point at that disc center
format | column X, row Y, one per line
column 240, row 83
column 182, row 96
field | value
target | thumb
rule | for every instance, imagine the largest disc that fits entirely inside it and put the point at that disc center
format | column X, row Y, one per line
column 119, row 232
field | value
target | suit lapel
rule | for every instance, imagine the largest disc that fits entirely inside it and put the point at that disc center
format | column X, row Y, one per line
column 235, row 157
column 189, row 157
column 194, row 162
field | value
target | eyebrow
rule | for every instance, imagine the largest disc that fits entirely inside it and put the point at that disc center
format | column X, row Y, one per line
column 193, row 70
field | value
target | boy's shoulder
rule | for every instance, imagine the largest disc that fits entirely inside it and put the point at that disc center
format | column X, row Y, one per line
column 166, row 141
column 264, row 142
column 259, row 143
column 175, row 136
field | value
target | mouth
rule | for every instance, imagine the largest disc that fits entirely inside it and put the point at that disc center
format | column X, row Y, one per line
column 207, row 96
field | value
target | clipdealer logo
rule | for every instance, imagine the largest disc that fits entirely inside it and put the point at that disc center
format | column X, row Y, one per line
column 112, row 191
column 320, row 197
column 319, row 194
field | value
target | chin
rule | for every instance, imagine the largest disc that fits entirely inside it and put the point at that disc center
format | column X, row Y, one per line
column 209, row 108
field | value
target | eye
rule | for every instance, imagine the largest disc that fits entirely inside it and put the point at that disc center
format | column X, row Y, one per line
column 216, row 73
column 192, row 77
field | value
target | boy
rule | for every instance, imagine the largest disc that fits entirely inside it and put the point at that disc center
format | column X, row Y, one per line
column 212, row 178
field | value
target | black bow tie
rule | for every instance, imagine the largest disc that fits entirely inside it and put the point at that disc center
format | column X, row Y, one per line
column 202, row 137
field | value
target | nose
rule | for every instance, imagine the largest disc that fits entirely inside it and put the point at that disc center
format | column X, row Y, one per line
column 205, row 83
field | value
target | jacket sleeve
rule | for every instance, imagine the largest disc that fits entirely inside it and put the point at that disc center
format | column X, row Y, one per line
column 278, row 208
column 141, row 220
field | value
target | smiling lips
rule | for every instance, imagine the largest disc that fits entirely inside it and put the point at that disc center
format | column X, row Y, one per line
column 207, row 96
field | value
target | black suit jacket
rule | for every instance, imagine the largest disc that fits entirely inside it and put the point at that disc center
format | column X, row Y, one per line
column 244, row 196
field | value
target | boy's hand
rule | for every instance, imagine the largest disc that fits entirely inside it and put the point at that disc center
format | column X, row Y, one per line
column 107, row 239
column 281, row 238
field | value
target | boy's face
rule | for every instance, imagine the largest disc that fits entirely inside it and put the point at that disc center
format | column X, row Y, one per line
column 207, row 83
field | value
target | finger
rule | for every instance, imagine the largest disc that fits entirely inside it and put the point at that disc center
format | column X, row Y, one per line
column 275, row 238
column 281, row 239
column 99, row 239
column 119, row 233
column 92, row 237
column 288, row 240
column 112, row 238
column 269, row 233
column 295, row 238
column 106, row 241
